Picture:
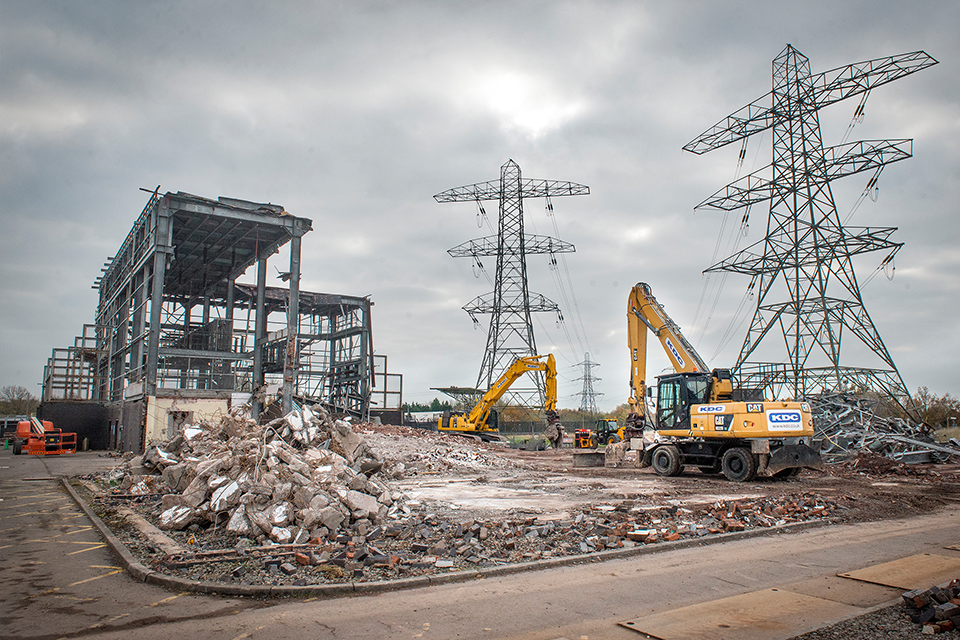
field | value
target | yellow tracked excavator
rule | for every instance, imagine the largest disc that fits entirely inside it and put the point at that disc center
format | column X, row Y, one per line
column 481, row 421
column 700, row 420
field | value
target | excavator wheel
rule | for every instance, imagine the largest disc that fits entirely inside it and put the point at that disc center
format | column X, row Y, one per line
column 666, row 461
column 17, row 447
column 739, row 465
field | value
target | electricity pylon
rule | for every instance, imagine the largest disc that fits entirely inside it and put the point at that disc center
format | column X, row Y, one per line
column 806, row 289
column 510, row 304
column 588, row 402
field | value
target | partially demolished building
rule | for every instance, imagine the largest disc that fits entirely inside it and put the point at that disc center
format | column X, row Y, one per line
column 177, row 339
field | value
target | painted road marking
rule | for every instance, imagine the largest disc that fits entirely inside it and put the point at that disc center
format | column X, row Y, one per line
column 18, row 544
column 113, row 619
column 70, row 533
column 31, row 504
column 105, row 575
column 170, row 598
column 76, row 515
column 98, row 546
column 37, row 513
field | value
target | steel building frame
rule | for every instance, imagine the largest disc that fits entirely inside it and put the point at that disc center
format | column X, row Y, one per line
column 182, row 250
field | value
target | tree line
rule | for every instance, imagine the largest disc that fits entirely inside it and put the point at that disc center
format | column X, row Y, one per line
column 17, row 401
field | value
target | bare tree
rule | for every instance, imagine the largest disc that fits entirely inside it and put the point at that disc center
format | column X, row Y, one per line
column 17, row 401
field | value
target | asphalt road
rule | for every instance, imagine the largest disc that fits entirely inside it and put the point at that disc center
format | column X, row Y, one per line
column 58, row 581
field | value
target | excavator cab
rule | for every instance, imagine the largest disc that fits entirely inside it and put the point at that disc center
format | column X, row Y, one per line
column 676, row 393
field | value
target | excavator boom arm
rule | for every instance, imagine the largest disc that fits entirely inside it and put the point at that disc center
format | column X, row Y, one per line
column 645, row 313
column 547, row 364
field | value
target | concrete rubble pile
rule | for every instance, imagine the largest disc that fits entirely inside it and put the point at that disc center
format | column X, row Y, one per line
column 300, row 477
column 418, row 543
column 417, row 451
column 847, row 423
column 938, row 610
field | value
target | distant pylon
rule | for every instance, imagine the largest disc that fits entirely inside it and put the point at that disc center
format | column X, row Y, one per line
column 511, row 302
column 802, row 271
column 588, row 402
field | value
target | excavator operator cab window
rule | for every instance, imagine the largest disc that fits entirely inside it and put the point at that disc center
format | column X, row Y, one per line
column 675, row 395
column 668, row 403
column 698, row 389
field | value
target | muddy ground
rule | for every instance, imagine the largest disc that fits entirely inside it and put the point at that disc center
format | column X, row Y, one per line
column 546, row 483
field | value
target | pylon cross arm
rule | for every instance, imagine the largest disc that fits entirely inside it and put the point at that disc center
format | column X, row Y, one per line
column 838, row 162
column 483, row 247
column 828, row 87
column 854, row 79
column 486, row 304
column 529, row 188
column 753, row 118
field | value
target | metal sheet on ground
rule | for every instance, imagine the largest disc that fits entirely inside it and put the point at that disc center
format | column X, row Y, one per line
column 771, row 614
column 913, row 572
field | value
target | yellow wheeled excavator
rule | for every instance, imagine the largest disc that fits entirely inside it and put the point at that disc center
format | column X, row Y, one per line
column 700, row 420
column 481, row 421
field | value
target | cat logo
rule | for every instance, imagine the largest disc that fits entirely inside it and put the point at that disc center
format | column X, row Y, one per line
column 722, row 422
column 754, row 407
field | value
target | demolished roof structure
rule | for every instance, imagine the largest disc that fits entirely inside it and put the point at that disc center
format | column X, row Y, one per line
column 847, row 423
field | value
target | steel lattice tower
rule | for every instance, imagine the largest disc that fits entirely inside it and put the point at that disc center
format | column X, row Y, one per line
column 806, row 287
column 588, row 402
column 511, row 302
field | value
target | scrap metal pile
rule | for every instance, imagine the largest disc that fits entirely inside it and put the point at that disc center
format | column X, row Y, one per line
column 847, row 424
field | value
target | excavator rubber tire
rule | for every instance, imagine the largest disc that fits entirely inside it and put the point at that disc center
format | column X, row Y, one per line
column 17, row 447
column 739, row 465
column 666, row 461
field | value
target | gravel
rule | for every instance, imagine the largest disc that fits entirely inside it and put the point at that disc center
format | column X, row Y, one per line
column 890, row 623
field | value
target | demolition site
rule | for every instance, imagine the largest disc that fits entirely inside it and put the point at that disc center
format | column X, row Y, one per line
column 246, row 440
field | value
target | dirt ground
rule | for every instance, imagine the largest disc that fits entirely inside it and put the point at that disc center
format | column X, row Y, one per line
column 460, row 504
column 547, row 484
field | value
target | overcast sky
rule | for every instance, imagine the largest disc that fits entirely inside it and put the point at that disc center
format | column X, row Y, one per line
column 354, row 114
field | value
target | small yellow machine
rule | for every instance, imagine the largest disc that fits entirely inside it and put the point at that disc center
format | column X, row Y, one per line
column 607, row 431
column 698, row 420
column 481, row 421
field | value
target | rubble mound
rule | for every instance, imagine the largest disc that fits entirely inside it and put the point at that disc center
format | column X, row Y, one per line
column 303, row 476
column 416, row 451
column 873, row 464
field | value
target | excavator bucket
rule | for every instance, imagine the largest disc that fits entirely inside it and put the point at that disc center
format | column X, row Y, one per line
column 794, row 455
